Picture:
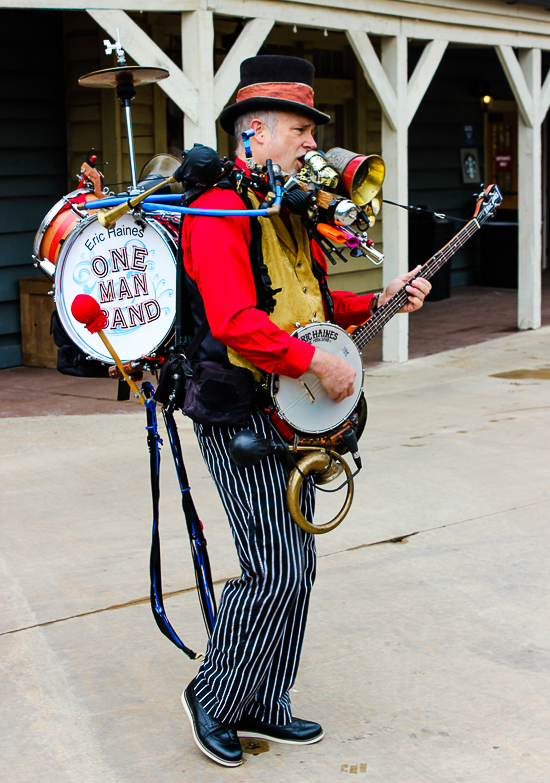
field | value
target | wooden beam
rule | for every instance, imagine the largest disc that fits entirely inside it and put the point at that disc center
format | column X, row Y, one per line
column 394, row 17
column 145, row 52
column 478, row 24
column 197, row 49
column 545, row 97
column 106, row 5
column 247, row 44
column 486, row 14
column 518, row 84
column 423, row 74
column 375, row 75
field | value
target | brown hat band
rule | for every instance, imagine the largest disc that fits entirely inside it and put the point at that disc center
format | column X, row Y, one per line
column 299, row 93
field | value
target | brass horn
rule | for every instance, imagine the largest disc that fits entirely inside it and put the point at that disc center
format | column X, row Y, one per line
column 108, row 216
column 322, row 464
column 247, row 448
column 361, row 176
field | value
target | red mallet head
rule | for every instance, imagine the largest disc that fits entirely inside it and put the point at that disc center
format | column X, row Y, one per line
column 86, row 310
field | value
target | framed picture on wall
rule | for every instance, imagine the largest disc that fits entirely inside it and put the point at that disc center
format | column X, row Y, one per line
column 470, row 165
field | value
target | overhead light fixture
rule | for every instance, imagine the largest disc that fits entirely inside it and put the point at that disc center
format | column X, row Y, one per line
column 485, row 98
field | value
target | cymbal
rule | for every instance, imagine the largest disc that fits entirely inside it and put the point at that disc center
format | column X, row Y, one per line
column 159, row 167
column 127, row 74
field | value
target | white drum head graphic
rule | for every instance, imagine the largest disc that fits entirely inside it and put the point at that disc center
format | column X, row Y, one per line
column 131, row 271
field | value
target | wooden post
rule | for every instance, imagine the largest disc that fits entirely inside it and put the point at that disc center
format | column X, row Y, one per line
column 197, row 49
column 524, row 77
column 395, row 226
column 399, row 100
column 530, row 199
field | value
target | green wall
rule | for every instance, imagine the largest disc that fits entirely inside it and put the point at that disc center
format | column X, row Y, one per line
column 33, row 169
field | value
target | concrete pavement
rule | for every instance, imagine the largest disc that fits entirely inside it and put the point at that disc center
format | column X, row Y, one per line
column 427, row 658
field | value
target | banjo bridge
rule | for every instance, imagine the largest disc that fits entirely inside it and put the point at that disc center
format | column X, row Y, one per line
column 308, row 391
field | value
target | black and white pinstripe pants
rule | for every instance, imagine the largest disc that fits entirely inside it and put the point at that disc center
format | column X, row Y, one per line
column 252, row 658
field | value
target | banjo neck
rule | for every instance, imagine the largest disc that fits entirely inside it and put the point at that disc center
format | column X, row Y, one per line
column 363, row 334
column 303, row 403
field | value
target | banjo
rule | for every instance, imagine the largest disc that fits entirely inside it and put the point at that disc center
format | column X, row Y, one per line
column 303, row 403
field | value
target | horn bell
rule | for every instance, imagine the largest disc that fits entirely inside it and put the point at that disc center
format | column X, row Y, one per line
column 316, row 462
column 361, row 176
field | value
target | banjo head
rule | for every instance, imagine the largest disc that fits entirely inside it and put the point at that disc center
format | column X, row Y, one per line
column 303, row 403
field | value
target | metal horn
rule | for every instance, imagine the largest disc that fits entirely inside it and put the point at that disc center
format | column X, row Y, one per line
column 248, row 448
column 108, row 216
column 321, row 463
column 361, row 176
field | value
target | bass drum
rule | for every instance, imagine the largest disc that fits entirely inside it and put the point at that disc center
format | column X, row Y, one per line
column 58, row 224
column 130, row 269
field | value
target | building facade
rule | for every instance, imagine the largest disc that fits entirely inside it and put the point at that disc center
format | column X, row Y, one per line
column 451, row 93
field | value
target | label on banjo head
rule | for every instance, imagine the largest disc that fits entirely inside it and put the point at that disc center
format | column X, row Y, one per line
column 131, row 271
column 319, row 334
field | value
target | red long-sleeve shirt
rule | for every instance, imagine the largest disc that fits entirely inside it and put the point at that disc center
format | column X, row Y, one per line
column 216, row 257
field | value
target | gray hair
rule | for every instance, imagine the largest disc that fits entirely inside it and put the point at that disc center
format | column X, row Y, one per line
column 242, row 123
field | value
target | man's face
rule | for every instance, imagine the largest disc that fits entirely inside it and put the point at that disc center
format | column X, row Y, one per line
column 293, row 137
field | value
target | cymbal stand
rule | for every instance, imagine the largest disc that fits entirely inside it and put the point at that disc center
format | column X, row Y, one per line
column 126, row 92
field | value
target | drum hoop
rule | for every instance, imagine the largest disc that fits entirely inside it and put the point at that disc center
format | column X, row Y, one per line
column 48, row 219
column 58, row 298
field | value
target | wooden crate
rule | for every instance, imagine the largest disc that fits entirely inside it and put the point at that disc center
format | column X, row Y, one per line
column 37, row 306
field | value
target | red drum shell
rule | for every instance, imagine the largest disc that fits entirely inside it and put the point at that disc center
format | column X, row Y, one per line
column 58, row 224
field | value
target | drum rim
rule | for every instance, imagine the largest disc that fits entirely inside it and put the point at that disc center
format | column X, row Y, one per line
column 61, row 306
column 48, row 218
column 274, row 395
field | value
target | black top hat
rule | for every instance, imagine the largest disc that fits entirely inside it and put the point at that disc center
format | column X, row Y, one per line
column 274, row 83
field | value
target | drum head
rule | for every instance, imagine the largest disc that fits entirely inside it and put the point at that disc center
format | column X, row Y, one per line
column 131, row 271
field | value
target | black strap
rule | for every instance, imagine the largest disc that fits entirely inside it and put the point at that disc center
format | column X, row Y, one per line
column 183, row 325
column 265, row 293
column 321, row 276
column 201, row 562
column 199, row 336
column 180, row 284
column 199, row 551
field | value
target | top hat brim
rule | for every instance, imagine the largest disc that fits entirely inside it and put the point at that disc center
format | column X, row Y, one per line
column 230, row 114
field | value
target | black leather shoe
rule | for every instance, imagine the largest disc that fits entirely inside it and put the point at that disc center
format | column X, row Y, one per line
column 298, row 732
column 216, row 740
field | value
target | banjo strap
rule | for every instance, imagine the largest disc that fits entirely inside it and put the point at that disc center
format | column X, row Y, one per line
column 321, row 276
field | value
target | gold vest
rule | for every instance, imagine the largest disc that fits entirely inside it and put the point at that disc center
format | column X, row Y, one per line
column 288, row 259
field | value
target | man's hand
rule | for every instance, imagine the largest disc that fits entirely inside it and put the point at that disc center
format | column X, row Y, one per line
column 335, row 374
column 417, row 291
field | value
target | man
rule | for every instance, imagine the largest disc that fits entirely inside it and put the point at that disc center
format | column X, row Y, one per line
column 252, row 658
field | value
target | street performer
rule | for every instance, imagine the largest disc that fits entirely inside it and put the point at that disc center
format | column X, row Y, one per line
column 242, row 687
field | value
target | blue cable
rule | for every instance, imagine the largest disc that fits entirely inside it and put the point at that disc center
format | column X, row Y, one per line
column 207, row 212
column 158, row 207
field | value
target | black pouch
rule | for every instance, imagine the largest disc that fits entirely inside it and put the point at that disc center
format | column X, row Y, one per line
column 169, row 385
column 221, row 395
